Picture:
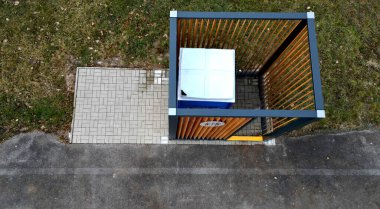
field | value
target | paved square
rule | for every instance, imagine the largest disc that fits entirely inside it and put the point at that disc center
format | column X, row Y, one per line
column 122, row 105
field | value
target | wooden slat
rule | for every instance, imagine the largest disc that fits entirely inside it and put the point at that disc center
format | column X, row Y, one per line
column 286, row 74
column 285, row 63
column 277, row 79
column 286, row 79
column 179, row 128
column 185, row 127
column 266, row 46
column 227, row 122
column 230, row 127
column 238, row 37
column 285, row 54
column 281, row 35
column 220, row 128
column 271, row 44
column 222, row 33
column 248, row 40
column 189, row 33
column 208, row 135
column 256, row 56
column 216, row 33
column 200, row 128
column 308, row 101
column 226, row 34
column 194, row 42
column 203, row 44
column 243, row 36
column 255, row 44
column 205, row 129
column 211, row 34
column 285, row 123
column 189, row 127
column 250, row 37
column 280, row 87
column 275, row 88
column 295, row 81
column 183, row 33
column 196, row 126
column 200, row 35
column 241, row 122
column 307, row 94
column 294, row 90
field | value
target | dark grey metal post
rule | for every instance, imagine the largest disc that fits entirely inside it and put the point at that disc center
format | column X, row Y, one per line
column 172, row 103
column 318, row 97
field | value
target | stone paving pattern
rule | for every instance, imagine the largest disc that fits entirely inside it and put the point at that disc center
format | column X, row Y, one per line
column 247, row 97
column 122, row 105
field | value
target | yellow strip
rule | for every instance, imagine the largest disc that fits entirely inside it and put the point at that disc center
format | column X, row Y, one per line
column 246, row 138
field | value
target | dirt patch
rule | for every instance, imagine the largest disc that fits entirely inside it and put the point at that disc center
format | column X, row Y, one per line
column 374, row 64
column 70, row 73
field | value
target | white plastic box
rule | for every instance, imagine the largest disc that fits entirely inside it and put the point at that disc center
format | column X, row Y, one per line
column 206, row 78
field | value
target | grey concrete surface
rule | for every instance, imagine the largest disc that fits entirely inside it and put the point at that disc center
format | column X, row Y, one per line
column 324, row 171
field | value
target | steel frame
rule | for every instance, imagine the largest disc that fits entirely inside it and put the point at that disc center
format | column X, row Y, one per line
column 304, row 116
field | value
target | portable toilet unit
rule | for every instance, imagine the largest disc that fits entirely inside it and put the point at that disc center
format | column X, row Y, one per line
column 206, row 78
column 242, row 75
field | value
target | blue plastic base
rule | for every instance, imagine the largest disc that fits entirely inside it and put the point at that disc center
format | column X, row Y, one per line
column 204, row 104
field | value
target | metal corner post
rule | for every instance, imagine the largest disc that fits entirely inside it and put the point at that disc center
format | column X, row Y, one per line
column 318, row 97
column 172, row 103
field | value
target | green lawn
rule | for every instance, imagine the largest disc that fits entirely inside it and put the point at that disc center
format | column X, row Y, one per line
column 42, row 42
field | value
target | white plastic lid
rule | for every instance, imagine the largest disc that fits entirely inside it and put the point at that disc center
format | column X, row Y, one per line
column 207, row 74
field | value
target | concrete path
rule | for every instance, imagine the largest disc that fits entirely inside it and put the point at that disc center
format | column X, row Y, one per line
column 327, row 171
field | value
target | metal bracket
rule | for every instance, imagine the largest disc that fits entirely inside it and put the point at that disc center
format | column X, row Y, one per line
column 172, row 111
column 270, row 142
column 310, row 15
column 321, row 114
column 173, row 13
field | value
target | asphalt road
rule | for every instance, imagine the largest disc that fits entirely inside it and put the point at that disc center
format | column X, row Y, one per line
column 325, row 171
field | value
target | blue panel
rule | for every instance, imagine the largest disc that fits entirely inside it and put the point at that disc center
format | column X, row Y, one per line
column 246, row 113
column 173, row 64
column 203, row 104
column 319, row 105
column 243, row 15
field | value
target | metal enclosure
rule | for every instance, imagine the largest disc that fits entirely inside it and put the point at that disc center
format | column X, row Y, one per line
column 279, row 50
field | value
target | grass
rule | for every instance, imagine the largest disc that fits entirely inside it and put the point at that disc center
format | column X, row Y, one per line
column 42, row 42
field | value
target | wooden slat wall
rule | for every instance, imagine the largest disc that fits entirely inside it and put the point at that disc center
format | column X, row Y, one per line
column 288, row 82
column 190, row 128
column 254, row 41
